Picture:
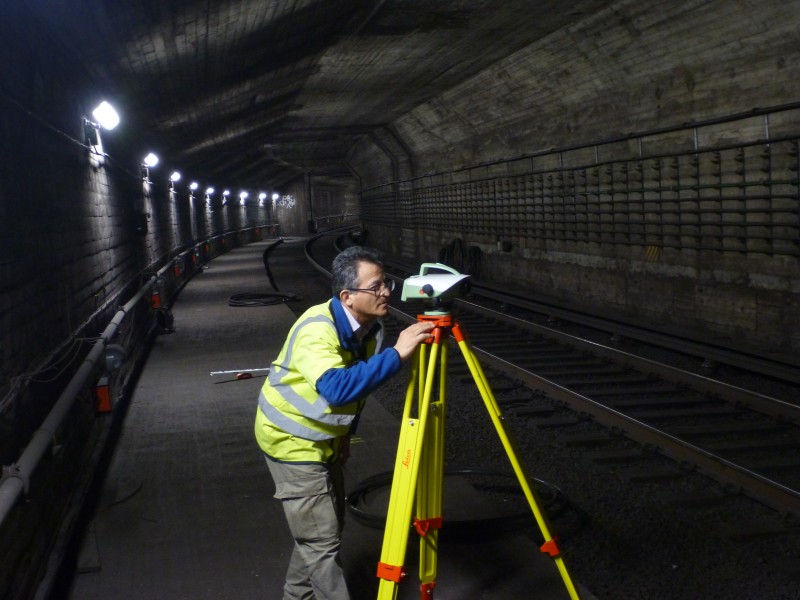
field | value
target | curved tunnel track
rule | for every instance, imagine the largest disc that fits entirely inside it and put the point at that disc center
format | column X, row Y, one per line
column 744, row 440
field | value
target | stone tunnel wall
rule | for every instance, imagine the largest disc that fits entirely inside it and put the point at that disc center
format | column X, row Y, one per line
column 688, row 229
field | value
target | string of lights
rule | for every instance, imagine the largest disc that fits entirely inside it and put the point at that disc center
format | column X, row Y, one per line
column 106, row 117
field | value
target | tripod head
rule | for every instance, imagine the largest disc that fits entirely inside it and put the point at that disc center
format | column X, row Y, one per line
column 438, row 291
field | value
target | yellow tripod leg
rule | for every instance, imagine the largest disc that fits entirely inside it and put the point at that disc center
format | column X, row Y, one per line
column 496, row 415
column 406, row 469
column 429, row 493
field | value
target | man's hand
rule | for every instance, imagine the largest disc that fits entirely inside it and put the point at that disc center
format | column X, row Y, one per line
column 411, row 337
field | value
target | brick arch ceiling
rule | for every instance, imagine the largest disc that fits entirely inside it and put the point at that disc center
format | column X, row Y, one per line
column 255, row 90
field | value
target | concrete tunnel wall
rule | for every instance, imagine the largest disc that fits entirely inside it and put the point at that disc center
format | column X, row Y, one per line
column 634, row 67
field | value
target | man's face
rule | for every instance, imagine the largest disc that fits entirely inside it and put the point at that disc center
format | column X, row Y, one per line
column 367, row 306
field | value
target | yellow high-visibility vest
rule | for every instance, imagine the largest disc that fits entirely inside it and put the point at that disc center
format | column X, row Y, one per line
column 294, row 422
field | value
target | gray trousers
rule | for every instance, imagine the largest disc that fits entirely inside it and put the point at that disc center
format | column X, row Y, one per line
column 312, row 496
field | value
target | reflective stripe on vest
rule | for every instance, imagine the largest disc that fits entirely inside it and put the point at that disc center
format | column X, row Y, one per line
column 290, row 426
column 316, row 411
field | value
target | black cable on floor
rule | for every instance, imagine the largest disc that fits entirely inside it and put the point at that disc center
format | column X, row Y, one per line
column 260, row 299
column 270, row 249
column 553, row 502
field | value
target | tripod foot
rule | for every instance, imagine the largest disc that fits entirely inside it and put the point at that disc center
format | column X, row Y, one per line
column 427, row 590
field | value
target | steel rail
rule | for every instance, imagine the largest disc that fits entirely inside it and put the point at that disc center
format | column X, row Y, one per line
column 773, row 368
column 762, row 489
column 757, row 487
column 747, row 398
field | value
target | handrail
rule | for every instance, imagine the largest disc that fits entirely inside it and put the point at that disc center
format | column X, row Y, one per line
column 15, row 477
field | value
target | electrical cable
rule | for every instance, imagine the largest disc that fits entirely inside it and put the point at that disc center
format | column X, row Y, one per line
column 453, row 255
column 464, row 259
column 270, row 249
column 261, row 299
column 553, row 499
column 57, row 364
column 472, row 263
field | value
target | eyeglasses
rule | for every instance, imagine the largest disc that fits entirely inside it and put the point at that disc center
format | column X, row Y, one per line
column 378, row 288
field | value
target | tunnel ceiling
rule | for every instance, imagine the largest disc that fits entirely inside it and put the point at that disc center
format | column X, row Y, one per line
column 257, row 92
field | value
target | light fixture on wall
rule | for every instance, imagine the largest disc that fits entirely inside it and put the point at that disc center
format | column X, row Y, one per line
column 151, row 160
column 261, row 197
column 225, row 195
column 192, row 187
column 104, row 116
column 209, row 192
column 175, row 177
column 275, row 196
column 242, row 197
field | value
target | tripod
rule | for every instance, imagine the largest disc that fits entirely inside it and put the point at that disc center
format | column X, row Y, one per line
column 419, row 465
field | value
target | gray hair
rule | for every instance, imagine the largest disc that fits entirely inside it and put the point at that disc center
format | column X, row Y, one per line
column 345, row 266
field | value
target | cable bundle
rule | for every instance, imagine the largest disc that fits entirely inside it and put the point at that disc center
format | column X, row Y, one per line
column 260, row 299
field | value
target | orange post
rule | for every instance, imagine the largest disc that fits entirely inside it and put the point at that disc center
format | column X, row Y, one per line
column 102, row 395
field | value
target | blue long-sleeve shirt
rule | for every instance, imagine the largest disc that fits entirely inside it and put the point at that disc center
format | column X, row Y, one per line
column 342, row 386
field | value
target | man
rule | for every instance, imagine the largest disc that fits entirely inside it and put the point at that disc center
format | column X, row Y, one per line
column 309, row 407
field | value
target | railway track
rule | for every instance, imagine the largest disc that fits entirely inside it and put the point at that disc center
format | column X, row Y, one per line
column 745, row 440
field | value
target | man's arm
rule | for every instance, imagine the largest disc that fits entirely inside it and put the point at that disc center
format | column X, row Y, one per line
column 342, row 386
column 349, row 384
